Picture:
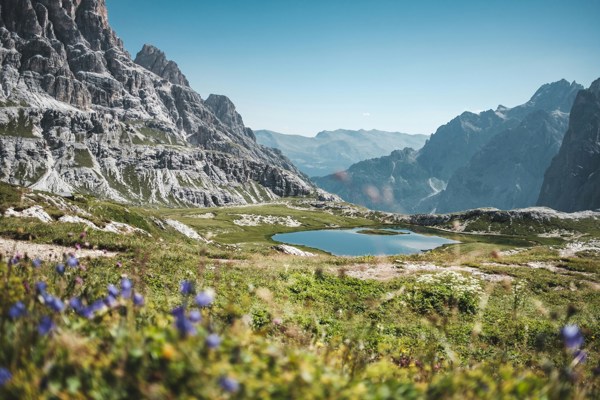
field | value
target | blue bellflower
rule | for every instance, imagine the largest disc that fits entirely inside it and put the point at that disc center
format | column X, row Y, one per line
column 17, row 310
column 5, row 376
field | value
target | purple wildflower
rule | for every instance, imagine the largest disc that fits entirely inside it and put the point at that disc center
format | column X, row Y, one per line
column 186, row 288
column 126, row 286
column 60, row 269
column 195, row 316
column 572, row 336
column 37, row 263
column 138, row 300
column 178, row 312
column 213, row 341
column 40, row 287
column 76, row 304
column 72, row 261
column 229, row 384
column 185, row 327
column 205, row 298
column 18, row 310
column 111, row 301
column 45, row 326
column 97, row 306
column 113, row 291
column 54, row 303
column 5, row 376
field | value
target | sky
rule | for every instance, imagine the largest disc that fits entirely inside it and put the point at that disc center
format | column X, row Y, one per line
column 304, row 66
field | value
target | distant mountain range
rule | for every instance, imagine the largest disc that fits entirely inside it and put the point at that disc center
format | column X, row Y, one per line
column 334, row 151
column 496, row 158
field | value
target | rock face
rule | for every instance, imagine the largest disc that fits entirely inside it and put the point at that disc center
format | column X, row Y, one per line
column 476, row 160
column 572, row 182
column 333, row 151
column 507, row 173
column 77, row 114
column 156, row 61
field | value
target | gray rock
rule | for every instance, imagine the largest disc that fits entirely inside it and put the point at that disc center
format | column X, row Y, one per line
column 572, row 182
column 77, row 114
column 155, row 60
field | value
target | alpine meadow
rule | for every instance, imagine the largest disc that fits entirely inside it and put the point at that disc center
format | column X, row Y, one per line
column 154, row 246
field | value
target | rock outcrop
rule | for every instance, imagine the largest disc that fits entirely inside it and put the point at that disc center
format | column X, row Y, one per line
column 155, row 60
column 572, row 182
column 77, row 114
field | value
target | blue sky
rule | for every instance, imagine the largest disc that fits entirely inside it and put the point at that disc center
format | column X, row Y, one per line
column 305, row 66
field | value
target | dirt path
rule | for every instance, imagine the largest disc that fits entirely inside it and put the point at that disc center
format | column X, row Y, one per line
column 9, row 248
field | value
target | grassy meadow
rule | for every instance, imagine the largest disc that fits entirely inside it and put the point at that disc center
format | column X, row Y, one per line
column 509, row 315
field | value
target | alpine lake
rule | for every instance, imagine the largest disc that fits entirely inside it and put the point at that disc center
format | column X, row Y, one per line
column 364, row 241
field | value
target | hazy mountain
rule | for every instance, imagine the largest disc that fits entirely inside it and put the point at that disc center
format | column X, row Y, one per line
column 507, row 173
column 572, row 182
column 78, row 114
column 462, row 158
column 333, row 151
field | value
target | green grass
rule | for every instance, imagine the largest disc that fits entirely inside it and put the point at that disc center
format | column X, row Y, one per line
column 297, row 327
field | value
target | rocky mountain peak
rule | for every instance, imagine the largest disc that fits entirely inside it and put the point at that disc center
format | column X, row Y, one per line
column 226, row 112
column 555, row 96
column 155, row 60
column 77, row 114
column 572, row 182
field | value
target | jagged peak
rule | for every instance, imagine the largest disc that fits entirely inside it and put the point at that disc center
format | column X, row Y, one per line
column 155, row 60
column 595, row 87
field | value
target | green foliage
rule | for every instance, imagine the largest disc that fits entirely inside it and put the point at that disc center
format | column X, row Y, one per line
column 445, row 291
column 291, row 327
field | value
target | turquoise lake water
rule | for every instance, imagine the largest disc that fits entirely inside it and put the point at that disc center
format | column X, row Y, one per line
column 349, row 242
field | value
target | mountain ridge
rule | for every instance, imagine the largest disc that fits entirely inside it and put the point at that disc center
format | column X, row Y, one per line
column 430, row 171
column 333, row 151
column 572, row 181
column 78, row 114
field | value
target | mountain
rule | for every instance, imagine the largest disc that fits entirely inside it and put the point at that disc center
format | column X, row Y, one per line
column 77, row 114
column 572, row 182
column 334, row 151
column 507, row 173
column 469, row 161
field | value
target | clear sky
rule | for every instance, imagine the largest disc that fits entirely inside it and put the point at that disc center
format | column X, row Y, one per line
column 302, row 66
